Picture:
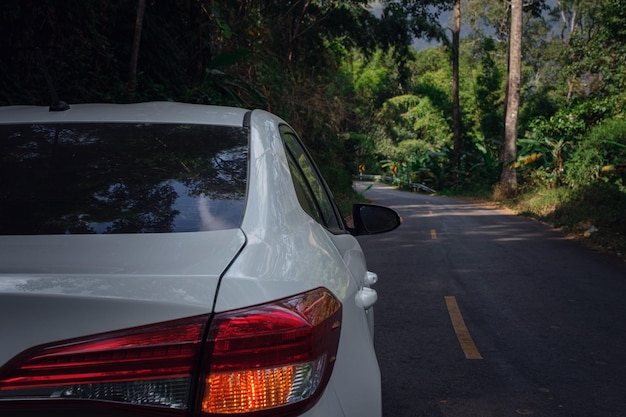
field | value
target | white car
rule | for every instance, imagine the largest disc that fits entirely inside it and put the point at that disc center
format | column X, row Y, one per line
column 169, row 259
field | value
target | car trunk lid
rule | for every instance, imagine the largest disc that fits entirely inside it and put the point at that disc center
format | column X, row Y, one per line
column 63, row 286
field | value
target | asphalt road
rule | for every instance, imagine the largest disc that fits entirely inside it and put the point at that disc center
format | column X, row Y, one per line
column 482, row 313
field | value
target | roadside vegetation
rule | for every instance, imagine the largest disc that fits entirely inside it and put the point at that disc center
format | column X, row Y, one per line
column 364, row 100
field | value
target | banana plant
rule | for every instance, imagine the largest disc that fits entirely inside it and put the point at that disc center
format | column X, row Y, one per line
column 550, row 154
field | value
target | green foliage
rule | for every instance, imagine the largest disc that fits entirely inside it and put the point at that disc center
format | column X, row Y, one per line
column 571, row 123
column 371, row 77
column 488, row 94
column 542, row 203
column 420, row 18
column 487, row 16
column 590, row 52
column 540, row 160
column 596, row 212
column 415, row 163
column 601, row 157
column 541, row 103
column 411, row 117
column 363, row 147
column 544, row 153
column 410, row 131
column 481, row 167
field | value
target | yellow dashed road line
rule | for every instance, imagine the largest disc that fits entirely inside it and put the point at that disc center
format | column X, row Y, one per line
column 465, row 339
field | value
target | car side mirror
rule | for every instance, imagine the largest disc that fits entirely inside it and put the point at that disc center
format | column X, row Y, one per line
column 370, row 219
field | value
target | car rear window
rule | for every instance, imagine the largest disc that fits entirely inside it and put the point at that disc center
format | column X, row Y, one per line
column 121, row 178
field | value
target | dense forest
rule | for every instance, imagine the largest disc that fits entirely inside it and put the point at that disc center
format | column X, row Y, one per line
column 346, row 75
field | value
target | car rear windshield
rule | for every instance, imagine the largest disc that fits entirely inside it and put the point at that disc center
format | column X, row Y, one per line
column 121, row 178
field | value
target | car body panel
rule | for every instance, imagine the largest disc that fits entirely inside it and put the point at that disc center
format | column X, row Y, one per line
column 278, row 232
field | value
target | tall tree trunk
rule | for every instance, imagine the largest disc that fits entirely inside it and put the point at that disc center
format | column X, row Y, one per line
column 456, row 108
column 134, row 55
column 508, row 179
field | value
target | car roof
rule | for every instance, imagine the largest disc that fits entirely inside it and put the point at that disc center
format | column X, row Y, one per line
column 150, row 112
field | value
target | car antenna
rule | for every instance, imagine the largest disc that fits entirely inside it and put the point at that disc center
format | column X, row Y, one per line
column 57, row 105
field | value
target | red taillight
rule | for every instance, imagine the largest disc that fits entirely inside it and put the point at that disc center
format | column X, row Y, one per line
column 146, row 365
column 271, row 358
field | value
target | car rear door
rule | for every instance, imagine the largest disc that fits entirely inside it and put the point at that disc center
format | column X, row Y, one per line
column 356, row 375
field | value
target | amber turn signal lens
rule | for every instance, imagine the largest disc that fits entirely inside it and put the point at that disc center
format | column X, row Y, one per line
column 248, row 391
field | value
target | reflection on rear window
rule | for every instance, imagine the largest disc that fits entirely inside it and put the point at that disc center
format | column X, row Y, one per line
column 121, row 178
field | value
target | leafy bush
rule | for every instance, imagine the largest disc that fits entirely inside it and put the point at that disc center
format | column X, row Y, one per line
column 601, row 157
column 595, row 211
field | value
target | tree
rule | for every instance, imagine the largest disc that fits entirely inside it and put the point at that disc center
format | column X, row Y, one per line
column 508, row 179
column 456, row 107
column 134, row 55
